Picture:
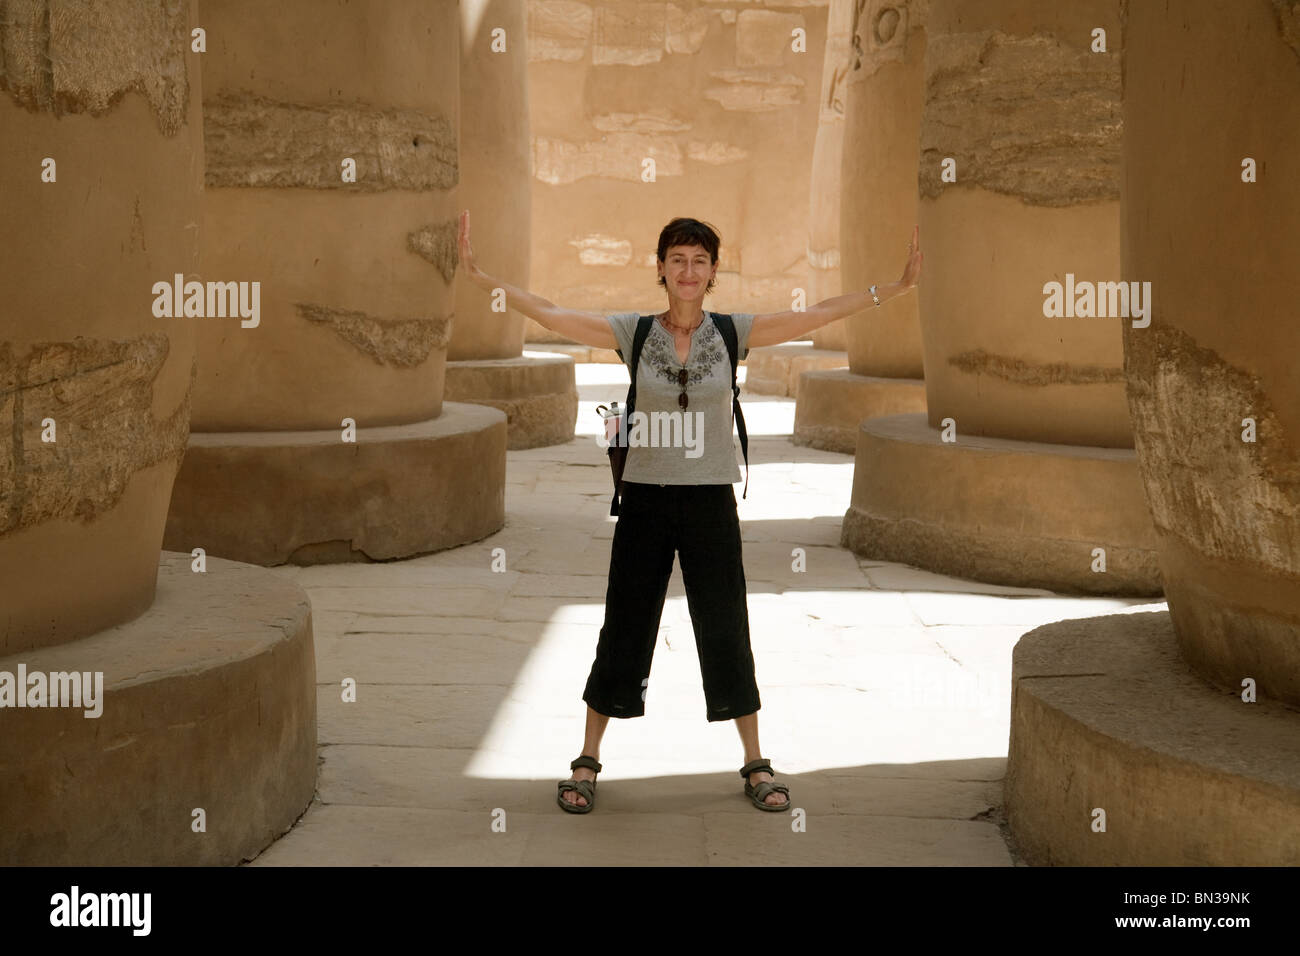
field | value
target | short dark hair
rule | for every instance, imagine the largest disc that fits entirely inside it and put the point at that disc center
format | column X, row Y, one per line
column 689, row 232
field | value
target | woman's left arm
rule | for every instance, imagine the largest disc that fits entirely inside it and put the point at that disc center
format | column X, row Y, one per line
column 773, row 328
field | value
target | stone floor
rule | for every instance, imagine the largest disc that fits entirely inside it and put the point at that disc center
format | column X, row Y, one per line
column 886, row 690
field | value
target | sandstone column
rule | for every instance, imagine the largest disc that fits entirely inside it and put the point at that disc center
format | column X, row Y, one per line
column 81, row 346
column 485, row 361
column 1214, row 385
column 321, row 433
column 824, row 199
column 1024, row 473
column 777, row 370
column 1183, row 725
column 101, row 163
column 883, row 93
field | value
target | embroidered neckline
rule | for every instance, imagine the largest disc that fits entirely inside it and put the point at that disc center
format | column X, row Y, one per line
column 706, row 349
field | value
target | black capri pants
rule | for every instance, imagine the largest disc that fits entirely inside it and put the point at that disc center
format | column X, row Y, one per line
column 700, row 524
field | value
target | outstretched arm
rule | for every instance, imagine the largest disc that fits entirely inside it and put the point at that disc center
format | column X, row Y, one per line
column 585, row 327
column 773, row 328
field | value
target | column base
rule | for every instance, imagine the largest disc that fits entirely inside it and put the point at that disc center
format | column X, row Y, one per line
column 537, row 392
column 208, row 703
column 1106, row 715
column 1001, row 511
column 310, row 498
column 832, row 403
column 775, row 369
column 579, row 353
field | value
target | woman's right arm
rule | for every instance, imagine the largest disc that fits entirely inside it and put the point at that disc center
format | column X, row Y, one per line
column 585, row 327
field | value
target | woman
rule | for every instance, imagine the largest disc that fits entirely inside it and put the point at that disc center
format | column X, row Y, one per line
column 676, row 502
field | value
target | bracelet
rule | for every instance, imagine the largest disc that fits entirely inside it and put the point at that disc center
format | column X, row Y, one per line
column 875, row 298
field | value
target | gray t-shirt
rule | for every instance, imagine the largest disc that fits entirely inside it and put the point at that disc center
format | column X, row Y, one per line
column 675, row 447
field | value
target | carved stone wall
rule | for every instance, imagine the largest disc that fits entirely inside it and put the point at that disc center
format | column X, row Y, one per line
column 726, row 109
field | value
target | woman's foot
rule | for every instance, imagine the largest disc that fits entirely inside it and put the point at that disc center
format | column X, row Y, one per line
column 572, row 796
column 772, row 799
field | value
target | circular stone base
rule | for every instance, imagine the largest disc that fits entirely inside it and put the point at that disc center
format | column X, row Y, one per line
column 534, row 331
column 775, row 369
column 833, row 337
column 208, row 702
column 1001, row 511
column 579, row 353
column 1106, row 715
column 537, row 392
column 309, row 497
column 833, row 402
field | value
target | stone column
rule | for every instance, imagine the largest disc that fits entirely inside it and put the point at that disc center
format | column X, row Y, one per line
column 1183, row 725
column 95, row 387
column 777, row 370
column 321, row 433
column 1024, row 472
column 824, row 198
column 101, row 163
column 485, row 361
column 1214, row 383
column 883, row 91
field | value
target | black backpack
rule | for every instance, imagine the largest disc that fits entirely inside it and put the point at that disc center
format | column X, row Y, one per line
column 728, row 330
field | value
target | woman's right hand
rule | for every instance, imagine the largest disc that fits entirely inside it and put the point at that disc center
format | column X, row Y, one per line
column 472, row 271
column 912, row 270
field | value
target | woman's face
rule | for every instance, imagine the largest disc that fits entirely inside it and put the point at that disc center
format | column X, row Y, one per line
column 687, row 271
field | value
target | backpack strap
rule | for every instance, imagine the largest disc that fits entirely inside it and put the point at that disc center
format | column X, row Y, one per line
column 728, row 329
column 643, row 324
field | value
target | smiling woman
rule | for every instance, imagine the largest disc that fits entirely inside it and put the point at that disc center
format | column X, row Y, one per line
column 675, row 503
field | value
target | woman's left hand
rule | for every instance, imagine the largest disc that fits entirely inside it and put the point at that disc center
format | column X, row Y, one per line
column 912, row 271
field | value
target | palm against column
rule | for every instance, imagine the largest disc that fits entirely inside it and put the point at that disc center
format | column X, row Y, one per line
column 912, row 271
column 467, row 251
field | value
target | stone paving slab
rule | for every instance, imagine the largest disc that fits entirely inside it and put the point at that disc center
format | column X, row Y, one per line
column 435, row 779
column 987, row 769
column 974, row 609
column 385, row 836
column 559, row 585
column 900, row 577
column 392, row 836
column 412, row 574
column 656, row 838
column 933, row 799
column 420, row 659
column 412, row 715
column 843, row 840
column 448, row 601
column 586, row 557
column 423, row 777
column 583, row 485
column 539, row 609
column 830, row 566
column 435, row 624
column 850, row 608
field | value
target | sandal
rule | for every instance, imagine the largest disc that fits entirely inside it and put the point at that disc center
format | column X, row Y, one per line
column 585, row 788
column 757, row 794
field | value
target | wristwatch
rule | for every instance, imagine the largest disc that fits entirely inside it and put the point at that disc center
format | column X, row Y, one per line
column 875, row 298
